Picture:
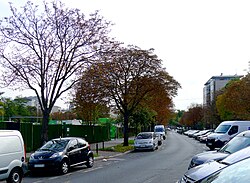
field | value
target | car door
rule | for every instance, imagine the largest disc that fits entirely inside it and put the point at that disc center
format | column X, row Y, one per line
column 73, row 152
column 83, row 148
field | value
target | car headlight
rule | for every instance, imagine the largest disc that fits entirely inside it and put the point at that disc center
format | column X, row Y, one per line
column 32, row 156
column 56, row 155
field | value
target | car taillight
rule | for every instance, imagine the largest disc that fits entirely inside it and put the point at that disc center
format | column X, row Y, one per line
column 89, row 146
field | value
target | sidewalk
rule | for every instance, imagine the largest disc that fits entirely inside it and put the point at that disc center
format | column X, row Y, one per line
column 106, row 154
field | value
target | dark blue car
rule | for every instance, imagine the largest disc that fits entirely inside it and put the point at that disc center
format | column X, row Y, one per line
column 61, row 154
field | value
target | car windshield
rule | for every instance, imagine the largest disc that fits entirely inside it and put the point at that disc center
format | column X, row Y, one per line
column 236, row 144
column 144, row 136
column 238, row 172
column 222, row 128
column 159, row 130
column 55, row 145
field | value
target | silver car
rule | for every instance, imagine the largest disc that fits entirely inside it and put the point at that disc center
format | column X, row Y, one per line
column 202, row 171
column 237, row 143
column 146, row 141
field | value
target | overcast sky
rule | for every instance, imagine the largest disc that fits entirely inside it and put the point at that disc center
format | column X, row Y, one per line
column 196, row 39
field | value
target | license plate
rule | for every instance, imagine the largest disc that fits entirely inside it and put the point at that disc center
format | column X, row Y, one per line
column 209, row 143
column 39, row 165
column 142, row 145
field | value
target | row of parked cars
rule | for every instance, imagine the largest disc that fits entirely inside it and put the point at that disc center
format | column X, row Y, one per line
column 58, row 155
column 228, row 163
column 150, row 140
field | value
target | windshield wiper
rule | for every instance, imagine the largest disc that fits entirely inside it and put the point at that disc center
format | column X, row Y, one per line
column 227, row 152
column 46, row 149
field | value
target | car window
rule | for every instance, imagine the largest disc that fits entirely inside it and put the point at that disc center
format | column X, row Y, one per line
column 236, row 144
column 81, row 143
column 144, row 136
column 159, row 129
column 238, row 172
column 237, row 156
column 222, row 128
column 55, row 145
column 73, row 144
column 233, row 130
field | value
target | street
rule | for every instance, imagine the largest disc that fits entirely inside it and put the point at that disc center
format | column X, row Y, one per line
column 167, row 164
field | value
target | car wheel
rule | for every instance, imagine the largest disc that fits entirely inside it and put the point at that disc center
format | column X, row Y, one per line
column 90, row 162
column 64, row 167
column 15, row 176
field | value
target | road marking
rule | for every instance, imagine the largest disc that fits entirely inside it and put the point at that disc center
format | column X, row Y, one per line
column 92, row 169
column 38, row 181
column 52, row 178
column 116, row 159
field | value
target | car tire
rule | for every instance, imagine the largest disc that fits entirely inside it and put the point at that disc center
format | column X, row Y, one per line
column 15, row 176
column 90, row 162
column 64, row 168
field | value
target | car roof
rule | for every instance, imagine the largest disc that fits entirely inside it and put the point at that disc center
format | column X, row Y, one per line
column 68, row 138
column 244, row 134
column 145, row 132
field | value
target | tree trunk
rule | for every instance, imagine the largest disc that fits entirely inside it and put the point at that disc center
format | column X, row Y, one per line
column 126, row 117
column 45, row 125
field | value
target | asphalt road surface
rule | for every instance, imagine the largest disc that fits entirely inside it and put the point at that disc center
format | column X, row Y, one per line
column 167, row 164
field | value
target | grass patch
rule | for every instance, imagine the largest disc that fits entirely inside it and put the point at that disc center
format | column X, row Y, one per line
column 118, row 148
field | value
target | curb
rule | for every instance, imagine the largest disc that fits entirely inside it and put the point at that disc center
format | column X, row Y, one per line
column 112, row 156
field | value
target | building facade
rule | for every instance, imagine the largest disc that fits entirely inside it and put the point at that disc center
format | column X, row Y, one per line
column 214, row 84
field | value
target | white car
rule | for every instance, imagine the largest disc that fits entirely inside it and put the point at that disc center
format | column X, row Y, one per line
column 160, row 129
column 146, row 141
column 12, row 156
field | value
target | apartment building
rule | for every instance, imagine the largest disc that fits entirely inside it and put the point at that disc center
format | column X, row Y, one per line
column 214, row 84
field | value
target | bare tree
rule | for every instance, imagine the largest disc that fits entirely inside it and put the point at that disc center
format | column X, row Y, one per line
column 46, row 49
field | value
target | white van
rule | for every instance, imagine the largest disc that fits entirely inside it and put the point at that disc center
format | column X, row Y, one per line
column 226, row 131
column 159, row 129
column 12, row 156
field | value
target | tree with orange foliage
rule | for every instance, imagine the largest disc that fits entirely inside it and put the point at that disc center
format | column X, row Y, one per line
column 234, row 103
column 193, row 117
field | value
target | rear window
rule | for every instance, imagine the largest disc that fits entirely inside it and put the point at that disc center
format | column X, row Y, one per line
column 222, row 128
column 159, row 129
column 144, row 136
column 10, row 144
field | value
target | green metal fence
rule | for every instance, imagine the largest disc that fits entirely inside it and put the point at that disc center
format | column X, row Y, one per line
column 32, row 132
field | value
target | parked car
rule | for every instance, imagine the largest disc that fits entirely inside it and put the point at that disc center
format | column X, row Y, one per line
column 180, row 130
column 146, row 140
column 12, row 156
column 191, row 134
column 239, row 142
column 202, row 132
column 226, row 131
column 203, row 138
column 160, row 129
column 61, row 154
column 238, row 172
column 160, row 138
column 200, row 172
